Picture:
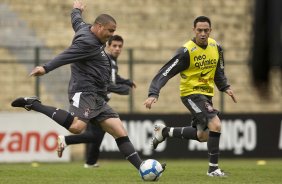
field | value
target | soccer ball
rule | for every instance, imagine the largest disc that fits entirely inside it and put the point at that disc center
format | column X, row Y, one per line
column 150, row 170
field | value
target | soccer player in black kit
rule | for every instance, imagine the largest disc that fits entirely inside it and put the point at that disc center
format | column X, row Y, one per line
column 200, row 64
column 94, row 134
column 88, row 86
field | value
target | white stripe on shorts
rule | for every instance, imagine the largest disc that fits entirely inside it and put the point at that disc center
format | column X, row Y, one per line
column 76, row 99
column 194, row 106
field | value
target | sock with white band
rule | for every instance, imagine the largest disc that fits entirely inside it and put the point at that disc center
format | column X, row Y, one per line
column 170, row 133
column 183, row 133
column 213, row 150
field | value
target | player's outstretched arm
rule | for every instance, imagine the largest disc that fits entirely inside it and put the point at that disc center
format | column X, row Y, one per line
column 149, row 101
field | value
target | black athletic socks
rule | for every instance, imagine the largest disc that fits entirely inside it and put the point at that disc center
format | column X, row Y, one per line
column 85, row 137
column 127, row 149
column 181, row 132
column 213, row 150
column 185, row 133
column 165, row 131
column 62, row 117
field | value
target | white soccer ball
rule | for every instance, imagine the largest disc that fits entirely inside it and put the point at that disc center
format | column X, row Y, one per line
column 150, row 170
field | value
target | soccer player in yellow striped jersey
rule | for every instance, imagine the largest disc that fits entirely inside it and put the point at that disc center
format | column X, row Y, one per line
column 200, row 64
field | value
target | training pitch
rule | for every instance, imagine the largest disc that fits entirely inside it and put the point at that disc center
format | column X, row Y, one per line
column 266, row 171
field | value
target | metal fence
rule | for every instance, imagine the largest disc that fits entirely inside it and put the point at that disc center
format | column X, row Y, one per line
column 139, row 64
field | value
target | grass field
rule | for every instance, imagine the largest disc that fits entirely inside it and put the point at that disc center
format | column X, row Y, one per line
column 121, row 172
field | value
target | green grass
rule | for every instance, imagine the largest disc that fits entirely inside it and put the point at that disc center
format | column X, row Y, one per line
column 121, row 172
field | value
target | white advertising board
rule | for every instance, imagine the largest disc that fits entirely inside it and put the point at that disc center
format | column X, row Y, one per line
column 28, row 137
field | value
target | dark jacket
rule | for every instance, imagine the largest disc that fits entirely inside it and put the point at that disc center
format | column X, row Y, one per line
column 90, row 65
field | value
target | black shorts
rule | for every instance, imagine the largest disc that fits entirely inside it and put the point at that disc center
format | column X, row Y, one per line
column 90, row 107
column 201, row 108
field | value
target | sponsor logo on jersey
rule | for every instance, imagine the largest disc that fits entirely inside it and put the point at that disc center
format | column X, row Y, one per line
column 170, row 67
column 205, row 89
column 183, row 76
column 205, row 73
column 221, row 61
column 203, row 62
column 201, row 57
column 193, row 49
column 205, row 81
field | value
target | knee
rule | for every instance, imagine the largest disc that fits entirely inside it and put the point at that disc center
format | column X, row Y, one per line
column 114, row 127
column 202, row 136
column 77, row 127
column 218, row 128
column 214, row 125
column 119, row 132
column 75, row 130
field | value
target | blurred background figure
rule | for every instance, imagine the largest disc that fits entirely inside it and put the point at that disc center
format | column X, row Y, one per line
column 267, row 49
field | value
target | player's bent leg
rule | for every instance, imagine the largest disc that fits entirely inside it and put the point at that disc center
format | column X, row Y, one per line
column 62, row 117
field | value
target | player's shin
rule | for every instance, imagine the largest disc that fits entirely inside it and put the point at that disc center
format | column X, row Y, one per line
column 128, row 150
column 213, row 150
column 183, row 132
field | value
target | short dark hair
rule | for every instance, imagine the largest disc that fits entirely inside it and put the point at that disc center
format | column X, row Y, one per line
column 104, row 19
column 115, row 38
column 202, row 19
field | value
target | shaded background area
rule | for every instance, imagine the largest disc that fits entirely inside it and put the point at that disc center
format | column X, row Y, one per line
column 33, row 32
column 267, row 43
